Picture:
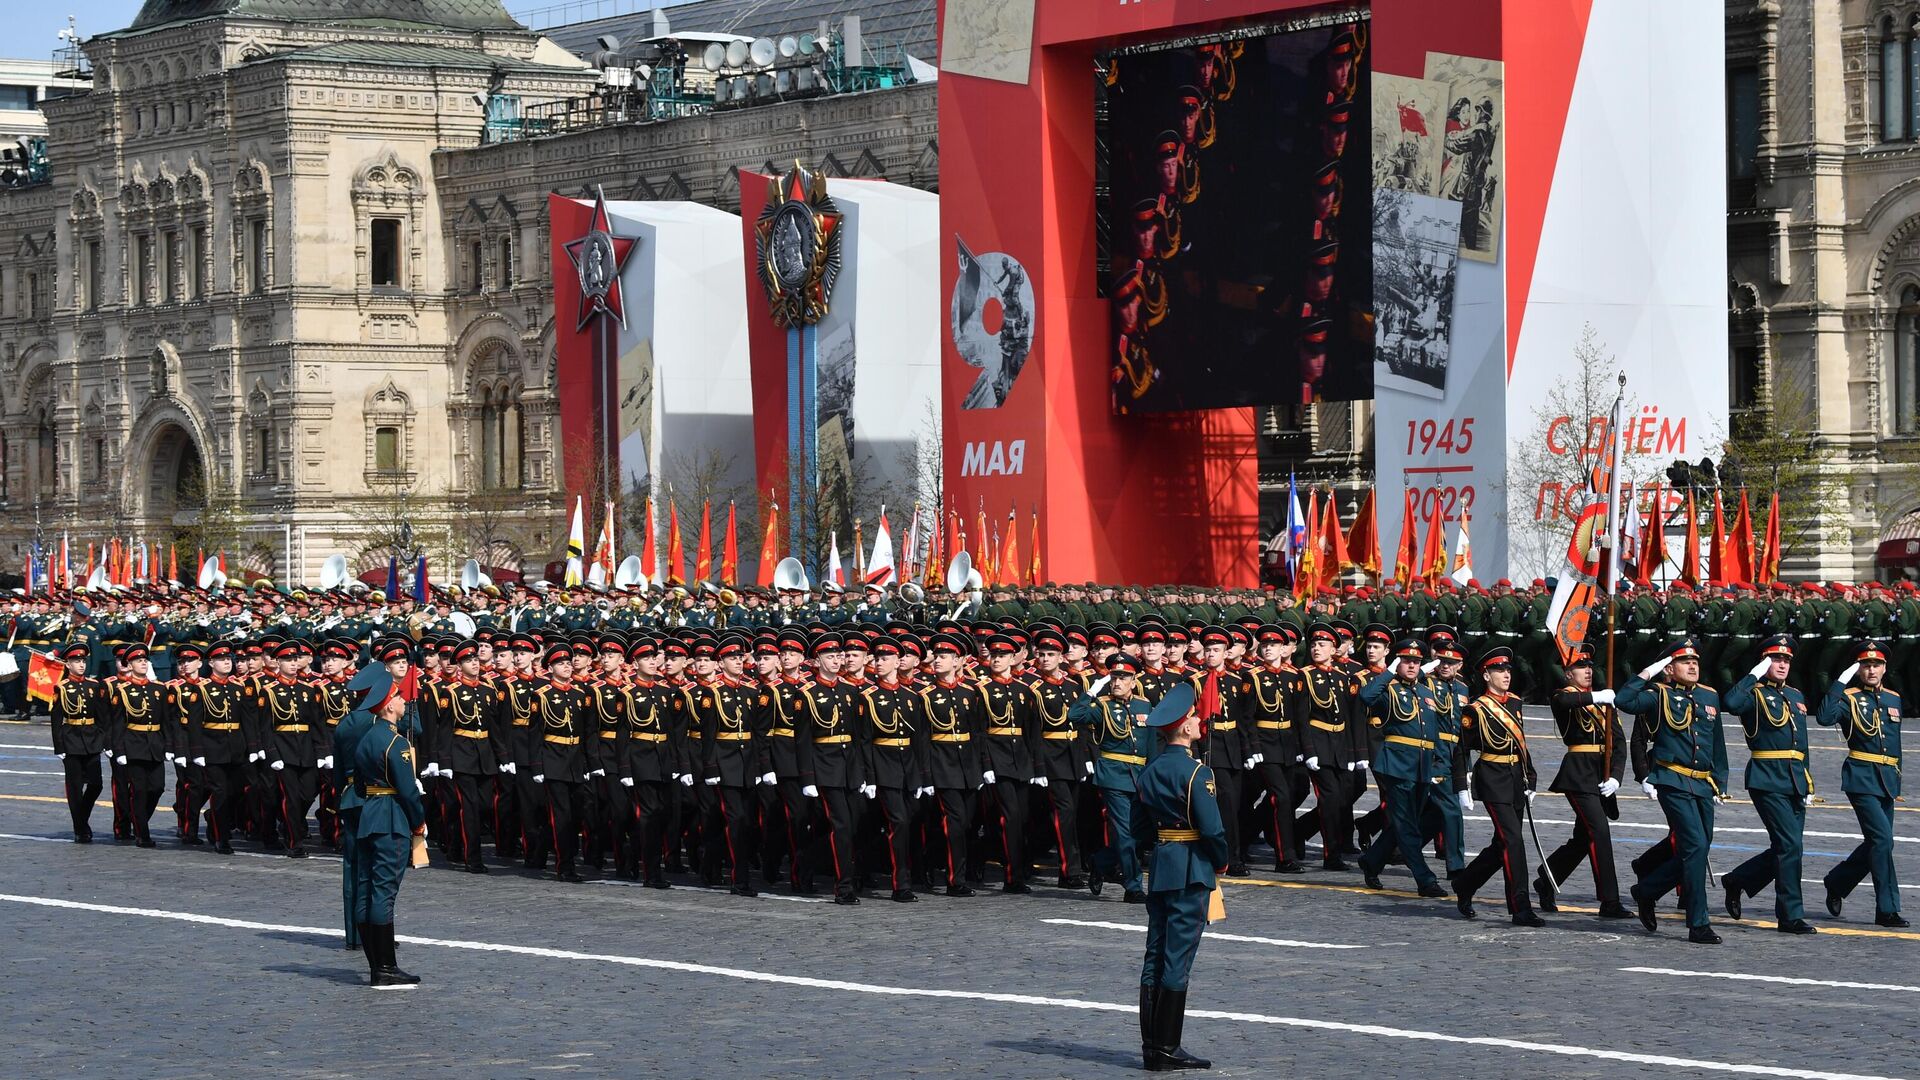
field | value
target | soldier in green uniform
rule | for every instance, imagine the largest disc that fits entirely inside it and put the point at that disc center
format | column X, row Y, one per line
column 1689, row 773
column 1869, row 715
column 1118, row 717
column 392, row 812
column 1177, row 793
column 1403, row 705
column 1774, row 717
column 368, row 688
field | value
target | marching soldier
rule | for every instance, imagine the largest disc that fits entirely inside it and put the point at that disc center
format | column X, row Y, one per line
column 1220, row 696
column 1410, row 737
column 461, row 713
column 79, row 729
column 655, row 757
column 1869, row 715
column 1689, row 772
column 1589, row 777
column 290, row 710
column 1063, row 759
column 956, row 716
column 785, row 687
column 218, row 744
column 1276, row 743
column 830, row 769
column 894, row 737
column 1007, row 754
column 137, row 706
column 1334, row 748
column 1178, row 794
column 1773, row 716
column 728, row 715
column 1504, row 779
column 1118, row 717
column 562, row 720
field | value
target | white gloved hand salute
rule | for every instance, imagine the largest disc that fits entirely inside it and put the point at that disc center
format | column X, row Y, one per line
column 1847, row 673
column 1099, row 684
column 1760, row 668
column 1429, row 667
column 1656, row 667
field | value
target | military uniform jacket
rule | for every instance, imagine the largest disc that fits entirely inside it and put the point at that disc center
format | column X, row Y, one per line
column 728, row 717
column 1404, row 711
column 654, row 748
column 1449, row 712
column 1686, row 749
column 1774, row 718
column 1226, row 745
column 1153, row 684
column 1271, row 703
column 610, row 703
column 139, row 709
column 79, row 716
column 390, row 802
column 1594, row 741
column 1122, row 740
column 561, row 723
column 893, row 736
column 955, row 715
column 1871, row 721
column 291, row 731
column 510, row 742
column 788, row 702
column 1330, row 706
column 1503, row 770
column 182, row 695
column 1064, row 752
column 830, row 714
column 1178, row 795
column 214, row 728
column 334, row 702
column 460, row 718
column 1007, row 746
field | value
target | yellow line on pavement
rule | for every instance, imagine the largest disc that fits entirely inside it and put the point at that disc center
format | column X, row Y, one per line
column 62, row 801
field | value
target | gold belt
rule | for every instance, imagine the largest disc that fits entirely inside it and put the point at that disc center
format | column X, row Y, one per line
column 519, row 723
column 1876, row 759
column 221, row 727
column 1500, row 759
column 1448, row 736
column 647, row 736
column 562, row 740
column 293, row 728
column 150, row 727
column 604, row 734
column 1224, row 725
column 376, row 789
column 89, row 723
column 738, row 736
column 1013, row 731
column 1178, row 836
column 1586, row 748
column 1324, row 726
column 1408, row 740
column 1059, row 736
column 1128, row 759
column 961, row 737
column 897, row 744
column 1273, row 725
column 467, row 734
column 1694, row 774
column 782, row 732
column 819, row 739
column 1778, row 755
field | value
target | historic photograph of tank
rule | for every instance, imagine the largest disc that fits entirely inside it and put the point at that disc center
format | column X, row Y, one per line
column 1416, row 256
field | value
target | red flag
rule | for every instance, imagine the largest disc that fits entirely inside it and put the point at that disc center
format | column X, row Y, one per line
column 1406, row 560
column 1436, row 567
column 649, row 551
column 1331, row 555
column 43, row 675
column 1363, row 542
column 1742, row 565
column 173, row 563
column 676, row 555
column 769, row 543
column 1008, row 564
column 1653, row 546
column 1412, row 120
column 703, row 551
column 1717, row 558
column 89, row 574
column 1690, row 568
column 930, row 574
column 1769, row 570
column 983, row 559
column 1034, row 576
column 729, row 552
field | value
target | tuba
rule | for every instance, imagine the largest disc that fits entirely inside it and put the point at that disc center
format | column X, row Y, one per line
column 963, row 578
column 472, row 578
column 333, row 572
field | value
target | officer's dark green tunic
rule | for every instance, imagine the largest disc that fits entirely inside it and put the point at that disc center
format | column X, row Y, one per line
column 1177, row 794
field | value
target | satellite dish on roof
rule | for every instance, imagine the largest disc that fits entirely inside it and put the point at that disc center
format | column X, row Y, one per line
column 715, row 57
column 737, row 54
column 805, row 43
column 607, row 43
column 789, row 46
column 762, row 51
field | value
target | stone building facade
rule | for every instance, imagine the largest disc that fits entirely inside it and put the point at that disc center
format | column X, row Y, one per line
column 276, row 272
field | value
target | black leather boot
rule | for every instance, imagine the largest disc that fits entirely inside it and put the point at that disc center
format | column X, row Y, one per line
column 372, row 951
column 390, row 974
column 1149, row 1053
column 1170, row 1015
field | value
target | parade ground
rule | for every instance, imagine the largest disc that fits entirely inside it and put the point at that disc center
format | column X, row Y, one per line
column 165, row 963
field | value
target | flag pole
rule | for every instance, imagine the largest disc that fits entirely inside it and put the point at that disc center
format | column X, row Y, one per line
column 1613, row 602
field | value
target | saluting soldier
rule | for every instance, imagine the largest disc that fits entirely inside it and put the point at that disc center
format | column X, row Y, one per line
column 1589, row 777
column 1869, row 715
column 1773, row 715
column 80, row 719
column 1504, row 779
column 1177, row 793
column 1408, row 721
column 1689, row 773
column 1123, row 744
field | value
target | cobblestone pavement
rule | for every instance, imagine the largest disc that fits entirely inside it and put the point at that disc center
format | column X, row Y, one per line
column 123, row 962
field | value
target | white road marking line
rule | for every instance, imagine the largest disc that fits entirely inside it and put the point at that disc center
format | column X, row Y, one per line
column 1718, row 829
column 1788, row 980
column 25, row 746
column 763, row 894
column 177, row 847
column 1129, row 1009
column 28, row 772
column 1211, row 934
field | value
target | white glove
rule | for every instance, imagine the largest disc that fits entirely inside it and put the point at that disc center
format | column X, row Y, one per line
column 1258, row 758
column 1609, row 786
column 1656, row 667
column 200, row 761
column 1466, row 800
column 1250, row 763
column 686, row 779
column 987, row 777
column 1428, row 667
column 1721, row 800
column 626, row 781
column 539, row 778
column 1846, row 675
column 713, row 781
column 278, row 766
column 1099, row 684
column 923, row 792
column 810, row 791
column 325, row 762
column 1529, row 798
column 869, row 790
column 1603, row 697
column 598, row 772
column 61, row 755
column 176, row 759
column 1760, row 668
column 256, row 755
column 1350, row 765
column 1298, row 758
column 769, row 779
column 1039, row 781
column 1806, row 800
column 509, row 768
column 432, row 769
column 1647, row 786
column 1313, row 764
column 1089, row 768
column 1364, row 763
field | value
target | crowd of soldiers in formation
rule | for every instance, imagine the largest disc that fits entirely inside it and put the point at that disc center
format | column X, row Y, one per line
column 786, row 739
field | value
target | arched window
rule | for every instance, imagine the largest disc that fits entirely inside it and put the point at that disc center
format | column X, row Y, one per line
column 489, row 442
column 1906, row 347
column 517, row 445
column 49, row 449
column 1894, row 54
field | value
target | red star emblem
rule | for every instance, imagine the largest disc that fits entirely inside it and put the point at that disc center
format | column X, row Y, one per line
column 598, row 258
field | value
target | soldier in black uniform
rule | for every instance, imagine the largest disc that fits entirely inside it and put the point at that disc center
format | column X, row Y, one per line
column 1504, row 779
column 137, row 706
column 79, row 717
column 461, row 714
column 728, row 716
column 781, row 801
column 1064, row 760
column 1220, row 696
column 1277, row 750
column 290, row 710
column 1590, row 774
column 518, row 804
column 1007, row 760
column 1333, row 744
column 561, row 721
column 218, row 745
column 955, row 717
column 893, row 737
column 189, row 786
column 830, row 767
